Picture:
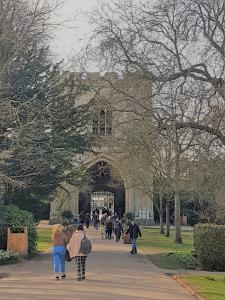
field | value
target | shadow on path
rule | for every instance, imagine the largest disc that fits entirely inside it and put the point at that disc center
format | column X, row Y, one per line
column 112, row 274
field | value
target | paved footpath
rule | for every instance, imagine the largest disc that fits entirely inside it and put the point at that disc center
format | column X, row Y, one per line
column 112, row 274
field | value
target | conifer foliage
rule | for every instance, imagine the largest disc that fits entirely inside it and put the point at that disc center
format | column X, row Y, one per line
column 41, row 128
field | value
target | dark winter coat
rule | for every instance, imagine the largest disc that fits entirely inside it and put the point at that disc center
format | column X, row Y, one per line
column 82, row 217
column 109, row 226
column 134, row 231
column 87, row 217
column 118, row 229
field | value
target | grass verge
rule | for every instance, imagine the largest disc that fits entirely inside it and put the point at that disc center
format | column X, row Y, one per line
column 210, row 287
column 153, row 242
column 164, row 253
column 44, row 239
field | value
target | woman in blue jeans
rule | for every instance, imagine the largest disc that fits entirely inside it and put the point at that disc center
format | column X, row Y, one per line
column 59, row 251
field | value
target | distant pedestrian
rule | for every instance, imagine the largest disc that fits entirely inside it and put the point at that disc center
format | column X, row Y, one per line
column 114, row 216
column 96, row 210
column 82, row 217
column 109, row 228
column 87, row 219
column 58, row 251
column 118, row 229
column 79, row 247
column 113, row 219
column 105, row 210
column 105, row 226
column 96, row 218
column 134, row 232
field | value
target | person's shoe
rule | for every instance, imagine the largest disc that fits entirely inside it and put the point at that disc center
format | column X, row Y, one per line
column 132, row 252
column 57, row 277
column 63, row 276
column 79, row 279
column 83, row 277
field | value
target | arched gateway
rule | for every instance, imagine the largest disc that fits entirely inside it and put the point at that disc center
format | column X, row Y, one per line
column 104, row 189
column 108, row 184
column 106, row 175
column 109, row 181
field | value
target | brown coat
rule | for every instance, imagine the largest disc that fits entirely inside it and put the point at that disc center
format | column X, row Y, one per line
column 75, row 243
column 59, row 239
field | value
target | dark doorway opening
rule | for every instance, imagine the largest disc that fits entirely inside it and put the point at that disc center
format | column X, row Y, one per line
column 102, row 178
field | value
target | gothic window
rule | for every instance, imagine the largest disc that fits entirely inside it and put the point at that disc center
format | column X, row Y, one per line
column 102, row 122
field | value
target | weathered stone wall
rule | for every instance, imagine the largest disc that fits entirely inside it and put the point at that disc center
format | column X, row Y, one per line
column 128, row 98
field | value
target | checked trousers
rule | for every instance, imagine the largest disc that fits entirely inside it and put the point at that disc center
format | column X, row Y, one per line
column 81, row 266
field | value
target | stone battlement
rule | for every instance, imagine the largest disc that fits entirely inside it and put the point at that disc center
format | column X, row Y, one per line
column 103, row 76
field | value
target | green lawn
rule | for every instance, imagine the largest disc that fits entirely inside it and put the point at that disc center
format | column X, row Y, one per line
column 211, row 287
column 153, row 242
column 157, row 247
column 44, row 239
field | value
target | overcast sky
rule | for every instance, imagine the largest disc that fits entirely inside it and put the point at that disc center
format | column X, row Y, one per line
column 67, row 39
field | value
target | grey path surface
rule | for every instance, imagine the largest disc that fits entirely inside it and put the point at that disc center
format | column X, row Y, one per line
column 112, row 274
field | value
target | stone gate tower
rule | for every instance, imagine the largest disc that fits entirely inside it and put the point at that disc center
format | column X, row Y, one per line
column 118, row 104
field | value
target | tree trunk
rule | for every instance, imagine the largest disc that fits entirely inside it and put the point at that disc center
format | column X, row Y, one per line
column 178, row 239
column 167, row 218
column 162, row 231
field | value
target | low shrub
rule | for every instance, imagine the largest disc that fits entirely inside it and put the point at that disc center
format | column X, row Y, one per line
column 215, row 279
column 67, row 218
column 192, row 217
column 209, row 243
column 186, row 260
column 8, row 257
column 211, row 278
column 67, row 214
column 15, row 218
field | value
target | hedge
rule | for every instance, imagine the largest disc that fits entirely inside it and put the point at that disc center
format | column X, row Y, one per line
column 185, row 259
column 209, row 243
column 15, row 218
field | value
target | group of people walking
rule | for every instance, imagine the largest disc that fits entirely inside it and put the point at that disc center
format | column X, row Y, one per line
column 86, row 218
column 75, row 244
column 68, row 245
column 113, row 225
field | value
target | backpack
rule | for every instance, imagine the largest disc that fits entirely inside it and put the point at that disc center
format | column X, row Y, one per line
column 85, row 246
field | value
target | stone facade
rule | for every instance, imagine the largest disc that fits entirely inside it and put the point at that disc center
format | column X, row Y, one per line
column 126, row 99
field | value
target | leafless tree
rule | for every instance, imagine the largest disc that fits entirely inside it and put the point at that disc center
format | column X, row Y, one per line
column 178, row 47
column 169, row 41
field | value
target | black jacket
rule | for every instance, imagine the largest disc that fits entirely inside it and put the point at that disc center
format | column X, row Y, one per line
column 134, row 231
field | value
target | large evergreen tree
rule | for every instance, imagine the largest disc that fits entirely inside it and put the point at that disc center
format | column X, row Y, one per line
column 41, row 127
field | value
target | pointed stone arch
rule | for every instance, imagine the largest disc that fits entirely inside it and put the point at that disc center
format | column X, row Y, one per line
column 92, row 160
column 135, row 200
